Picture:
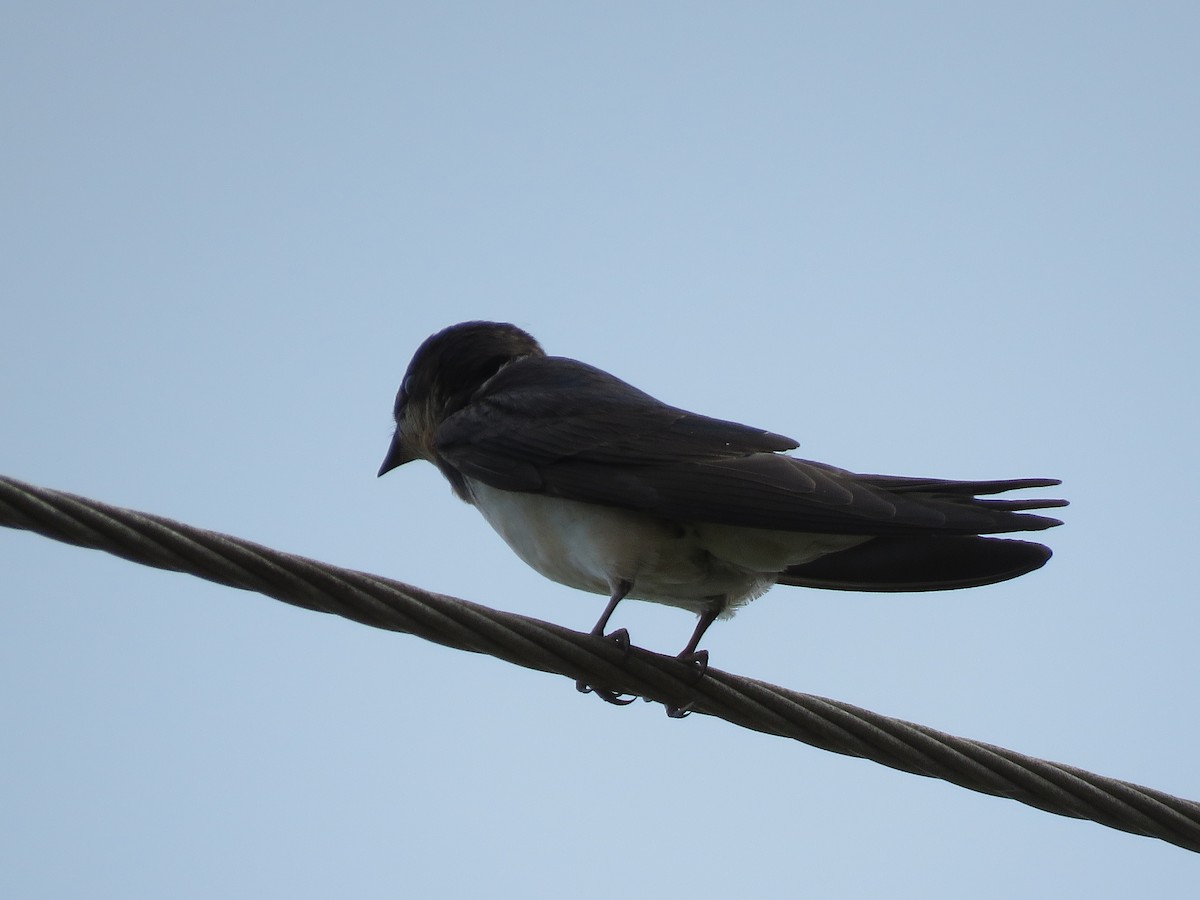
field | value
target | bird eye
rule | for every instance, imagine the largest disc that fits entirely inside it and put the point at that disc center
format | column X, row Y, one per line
column 402, row 398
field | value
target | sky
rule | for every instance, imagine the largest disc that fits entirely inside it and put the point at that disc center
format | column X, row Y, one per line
column 954, row 240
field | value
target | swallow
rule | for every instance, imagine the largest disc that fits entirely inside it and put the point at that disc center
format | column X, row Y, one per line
column 601, row 487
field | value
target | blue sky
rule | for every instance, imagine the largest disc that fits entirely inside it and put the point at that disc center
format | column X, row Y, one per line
column 930, row 239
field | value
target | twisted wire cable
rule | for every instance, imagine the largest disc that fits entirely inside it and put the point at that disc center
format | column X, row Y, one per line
column 382, row 603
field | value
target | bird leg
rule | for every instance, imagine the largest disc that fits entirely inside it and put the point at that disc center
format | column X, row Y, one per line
column 620, row 637
column 690, row 653
column 698, row 658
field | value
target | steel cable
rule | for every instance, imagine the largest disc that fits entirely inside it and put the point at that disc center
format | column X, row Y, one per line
column 382, row 603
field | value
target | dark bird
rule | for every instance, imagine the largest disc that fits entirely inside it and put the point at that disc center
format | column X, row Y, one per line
column 603, row 488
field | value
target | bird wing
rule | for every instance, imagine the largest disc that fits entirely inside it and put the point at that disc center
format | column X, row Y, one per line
column 566, row 429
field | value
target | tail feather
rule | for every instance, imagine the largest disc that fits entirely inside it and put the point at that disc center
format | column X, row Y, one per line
column 920, row 563
column 1023, row 504
column 904, row 483
column 963, row 498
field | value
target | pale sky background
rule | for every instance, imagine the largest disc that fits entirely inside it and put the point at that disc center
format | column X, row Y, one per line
column 959, row 240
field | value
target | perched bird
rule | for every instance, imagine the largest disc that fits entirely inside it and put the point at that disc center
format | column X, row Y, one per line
column 603, row 488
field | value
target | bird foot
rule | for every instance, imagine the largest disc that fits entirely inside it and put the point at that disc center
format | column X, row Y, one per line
column 620, row 637
column 698, row 660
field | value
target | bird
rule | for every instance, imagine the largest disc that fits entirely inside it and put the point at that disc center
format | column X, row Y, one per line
column 599, row 486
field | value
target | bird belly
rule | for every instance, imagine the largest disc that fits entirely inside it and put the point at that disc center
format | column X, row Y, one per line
column 594, row 548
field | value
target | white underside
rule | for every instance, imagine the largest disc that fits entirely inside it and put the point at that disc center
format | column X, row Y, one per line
column 689, row 565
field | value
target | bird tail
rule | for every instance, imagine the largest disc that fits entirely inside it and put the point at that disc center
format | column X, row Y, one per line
column 920, row 563
column 961, row 498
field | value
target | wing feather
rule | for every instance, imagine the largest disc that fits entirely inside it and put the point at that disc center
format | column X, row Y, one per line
column 563, row 428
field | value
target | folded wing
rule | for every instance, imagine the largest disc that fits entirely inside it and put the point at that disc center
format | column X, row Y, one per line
column 562, row 428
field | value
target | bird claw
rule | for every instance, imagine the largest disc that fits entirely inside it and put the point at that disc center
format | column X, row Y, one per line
column 698, row 660
column 606, row 695
column 620, row 637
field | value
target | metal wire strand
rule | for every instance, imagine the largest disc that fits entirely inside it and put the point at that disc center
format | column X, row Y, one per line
column 383, row 603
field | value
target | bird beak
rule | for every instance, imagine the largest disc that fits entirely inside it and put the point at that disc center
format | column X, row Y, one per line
column 397, row 454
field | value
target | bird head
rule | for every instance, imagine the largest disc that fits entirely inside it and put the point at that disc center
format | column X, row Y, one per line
column 447, row 369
